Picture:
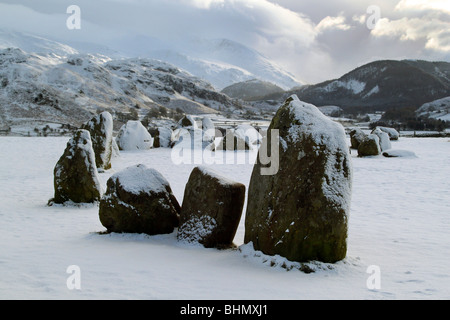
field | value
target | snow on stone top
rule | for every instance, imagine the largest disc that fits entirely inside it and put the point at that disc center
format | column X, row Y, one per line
column 312, row 122
column 222, row 180
column 140, row 179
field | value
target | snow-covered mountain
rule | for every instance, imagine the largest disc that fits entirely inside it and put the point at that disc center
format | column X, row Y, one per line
column 382, row 85
column 71, row 87
column 438, row 109
column 251, row 90
column 221, row 62
column 224, row 62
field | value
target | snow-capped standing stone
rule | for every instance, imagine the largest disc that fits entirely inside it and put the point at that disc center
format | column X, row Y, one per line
column 356, row 137
column 302, row 212
column 384, row 140
column 187, row 122
column 134, row 136
column 101, row 129
column 370, row 146
column 249, row 133
column 162, row 137
column 393, row 134
column 393, row 153
column 211, row 209
column 209, row 130
column 75, row 174
column 139, row 200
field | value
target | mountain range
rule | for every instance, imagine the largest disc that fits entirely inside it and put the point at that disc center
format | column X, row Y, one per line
column 379, row 86
column 42, row 80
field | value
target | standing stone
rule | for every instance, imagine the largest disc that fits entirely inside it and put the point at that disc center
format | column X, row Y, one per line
column 393, row 134
column 187, row 122
column 101, row 129
column 75, row 174
column 302, row 211
column 139, row 200
column 134, row 136
column 384, row 140
column 370, row 146
column 356, row 137
column 162, row 137
column 209, row 130
column 211, row 210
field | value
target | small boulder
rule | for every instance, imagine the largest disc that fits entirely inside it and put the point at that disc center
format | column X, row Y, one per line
column 393, row 134
column 134, row 136
column 101, row 129
column 302, row 211
column 385, row 141
column 211, row 210
column 392, row 153
column 139, row 200
column 75, row 174
column 161, row 137
column 193, row 139
column 356, row 137
column 249, row 133
column 187, row 122
column 370, row 146
column 209, row 130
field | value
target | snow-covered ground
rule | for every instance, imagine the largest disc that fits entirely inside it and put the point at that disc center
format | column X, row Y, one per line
column 399, row 223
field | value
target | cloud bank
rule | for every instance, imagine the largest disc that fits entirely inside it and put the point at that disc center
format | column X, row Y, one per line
column 315, row 40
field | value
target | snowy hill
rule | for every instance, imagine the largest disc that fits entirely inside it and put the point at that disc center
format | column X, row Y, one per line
column 69, row 89
column 251, row 90
column 382, row 85
column 223, row 62
column 438, row 109
column 33, row 43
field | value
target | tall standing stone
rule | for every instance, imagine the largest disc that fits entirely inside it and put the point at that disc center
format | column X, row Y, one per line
column 75, row 174
column 302, row 211
column 101, row 129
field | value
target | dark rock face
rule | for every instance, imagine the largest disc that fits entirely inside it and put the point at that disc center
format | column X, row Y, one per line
column 211, row 210
column 101, row 129
column 356, row 137
column 370, row 146
column 139, row 200
column 162, row 137
column 75, row 174
column 301, row 212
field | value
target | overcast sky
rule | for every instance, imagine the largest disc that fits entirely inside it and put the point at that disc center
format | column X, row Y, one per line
column 315, row 40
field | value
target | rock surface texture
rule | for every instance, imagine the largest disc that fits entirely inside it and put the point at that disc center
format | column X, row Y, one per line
column 75, row 174
column 139, row 200
column 101, row 129
column 302, row 212
column 211, row 210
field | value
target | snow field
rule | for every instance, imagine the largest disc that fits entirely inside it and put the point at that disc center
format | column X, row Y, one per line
column 399, row 221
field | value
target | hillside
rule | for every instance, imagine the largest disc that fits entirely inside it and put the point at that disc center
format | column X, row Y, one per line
column 69, row 89
column 251, row 90
column 383, row 85
column 223, row 62
column 438, row 109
